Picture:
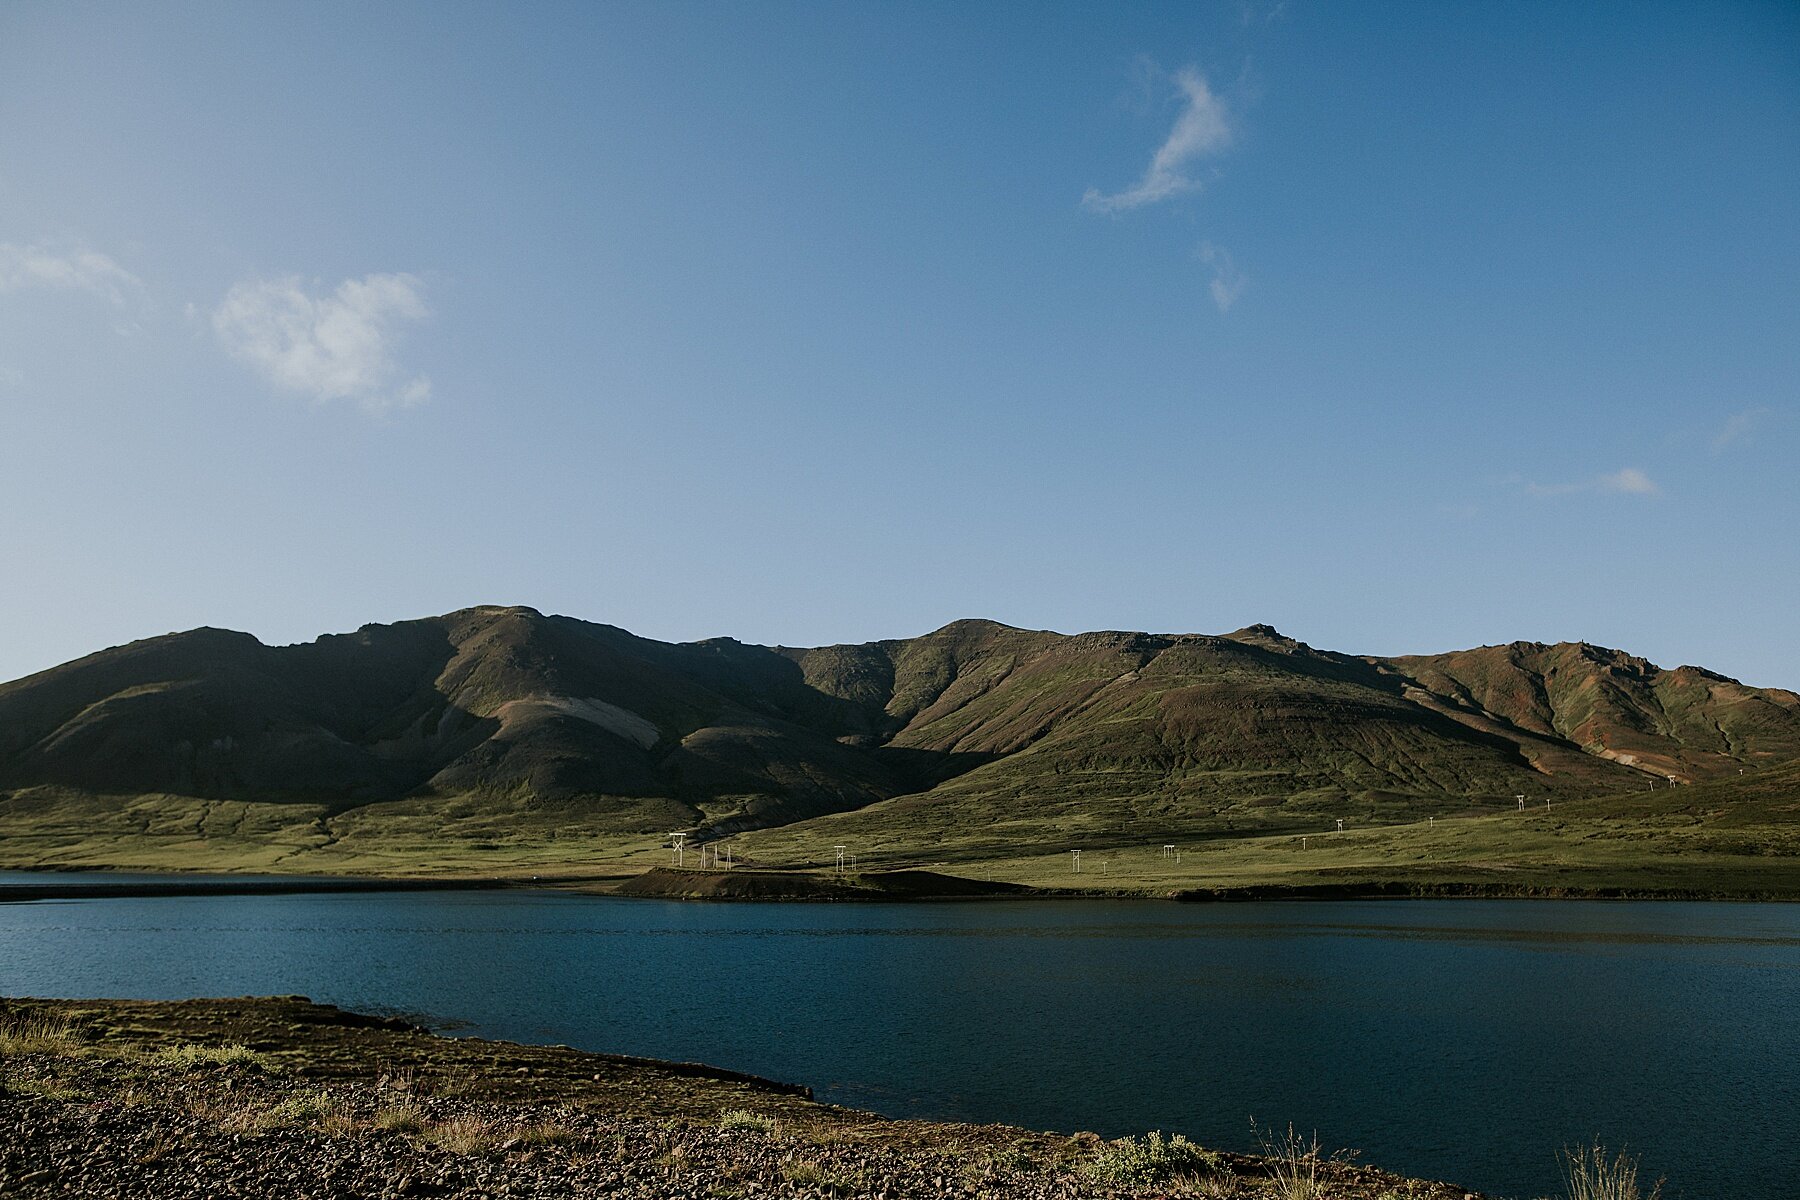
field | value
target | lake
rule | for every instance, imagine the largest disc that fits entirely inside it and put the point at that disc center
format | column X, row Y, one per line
column 1462, row 1039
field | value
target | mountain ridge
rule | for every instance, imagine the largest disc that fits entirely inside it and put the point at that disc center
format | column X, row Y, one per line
column 975, row 722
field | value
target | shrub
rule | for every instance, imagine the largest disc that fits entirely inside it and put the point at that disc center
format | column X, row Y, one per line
column 1150, row 1159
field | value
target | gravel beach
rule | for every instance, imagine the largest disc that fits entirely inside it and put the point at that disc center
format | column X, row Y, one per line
column 279, row 1097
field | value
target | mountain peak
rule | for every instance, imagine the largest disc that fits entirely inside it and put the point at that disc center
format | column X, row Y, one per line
column 1266, row 636
column 973, row 625
column 498, row 610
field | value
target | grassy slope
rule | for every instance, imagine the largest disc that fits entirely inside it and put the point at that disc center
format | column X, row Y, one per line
column 1739, row 836
column 474, row 837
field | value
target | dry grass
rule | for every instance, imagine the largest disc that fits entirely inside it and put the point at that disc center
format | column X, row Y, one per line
column 464, row 1135
column 813, row 1173
column 1223, row 1186
column 1591, row 1174
column 1294, row 1164
column 400, row 1116
column 543, row 1133
column 39, row 1035
column 397, row 1107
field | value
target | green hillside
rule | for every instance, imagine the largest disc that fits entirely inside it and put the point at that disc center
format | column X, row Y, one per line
column 506, row 741
column 1736, row 836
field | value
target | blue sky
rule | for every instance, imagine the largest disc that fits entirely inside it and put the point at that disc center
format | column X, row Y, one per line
column 1401, row 327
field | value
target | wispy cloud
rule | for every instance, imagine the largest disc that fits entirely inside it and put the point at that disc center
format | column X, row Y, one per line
column 1626, row 481
column 64, row 268
column 1227, row 281
column 1737, row 426
column 1202, row 129
column 329, row 347
column 1262, row 12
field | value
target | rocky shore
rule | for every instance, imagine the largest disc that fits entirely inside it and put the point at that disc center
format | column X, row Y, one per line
column 279, row 1097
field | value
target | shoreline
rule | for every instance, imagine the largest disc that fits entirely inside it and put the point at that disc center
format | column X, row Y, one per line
column 248, row 886
column 750, row 885
column 278, row 1096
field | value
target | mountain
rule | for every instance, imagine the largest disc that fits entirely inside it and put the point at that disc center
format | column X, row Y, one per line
column 975, row 723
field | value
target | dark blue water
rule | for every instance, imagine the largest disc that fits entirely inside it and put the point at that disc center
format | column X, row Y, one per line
column 1463, row 1040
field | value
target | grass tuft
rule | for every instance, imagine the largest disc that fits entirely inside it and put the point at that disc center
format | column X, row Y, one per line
column 1223, row 1186
column 311, row 1107
column 38, row 1035
column 1294, row 1164
column 464, row 1135
column 743, row 1118
column 401, row 1116
column 397, row 1108
column 543, row 1133
column 1591, row 1174
column 813, row 1173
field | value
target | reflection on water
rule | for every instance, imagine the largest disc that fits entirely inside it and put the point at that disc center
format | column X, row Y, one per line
column 1460, row 1039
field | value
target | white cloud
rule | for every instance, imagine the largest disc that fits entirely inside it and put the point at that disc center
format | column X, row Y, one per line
column 1736, row 427
column 334, row 347
column 1626, row 481
column 1227, row 281
column 74, row 268
column 1202, row 129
